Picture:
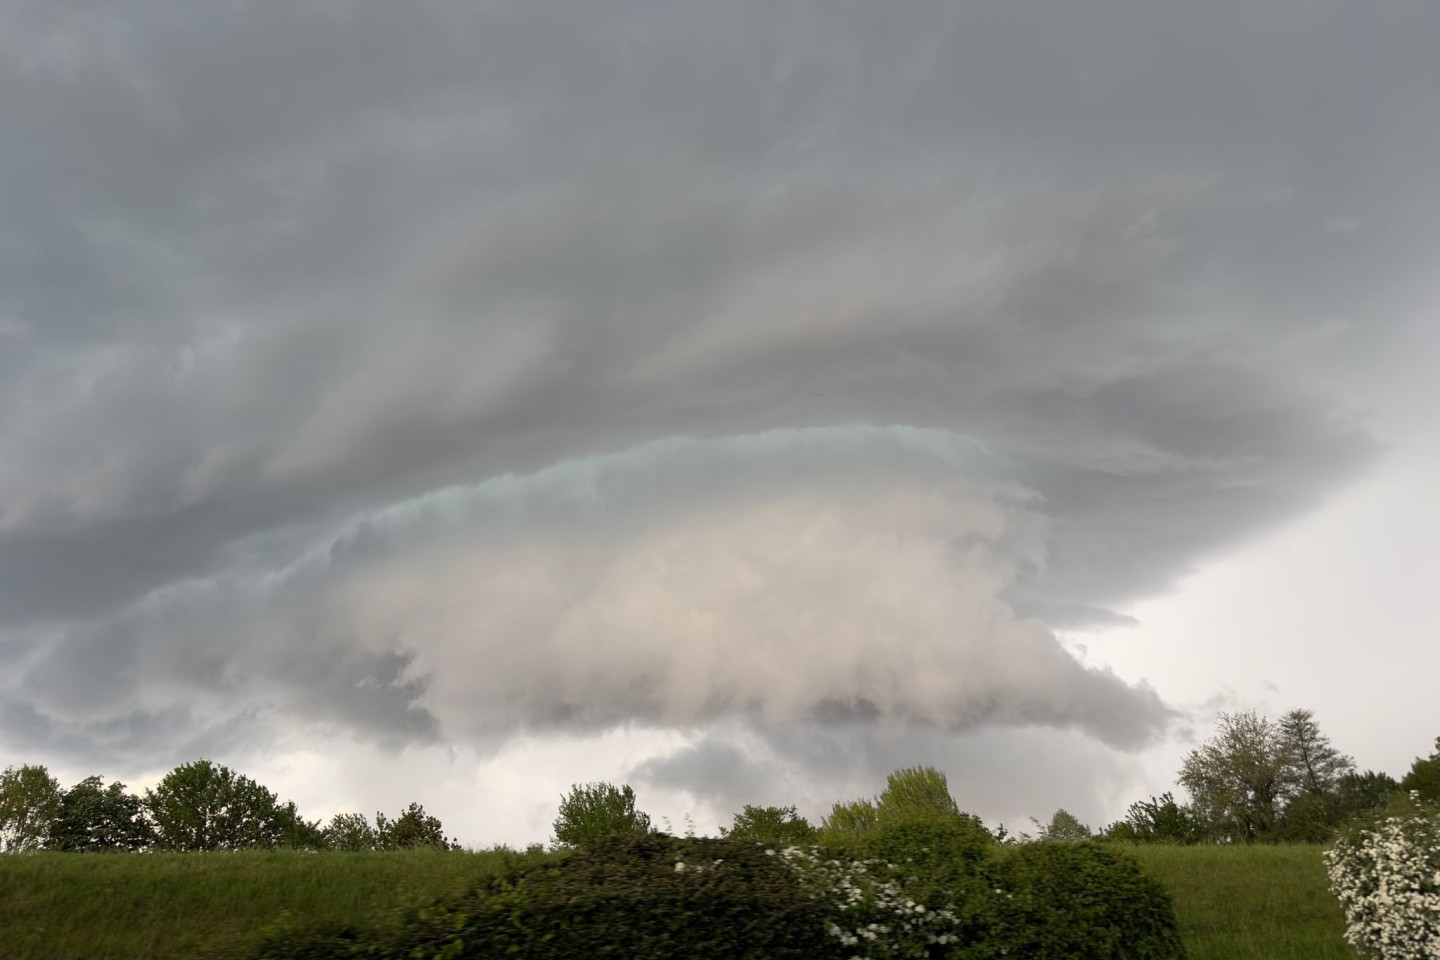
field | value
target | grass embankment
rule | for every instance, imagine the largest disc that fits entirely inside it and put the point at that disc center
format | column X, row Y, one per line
column 57, row 906
column 1261, row 902
column 1233, row 903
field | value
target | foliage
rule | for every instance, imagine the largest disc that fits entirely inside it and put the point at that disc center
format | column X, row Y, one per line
column 207, row 806
column 849, row 821
column 916, row 792
column 1312, row 766
column 638, row 896
column 1424, row 776
column 1362, row 792
column 95, row 817
column 1071, row 901
column 413, row 828
column 296, row 832
column 776, row 826
column 29, row 803
column 595, row 810
column 1158, row 820
column 1255, row 780
column 1064, row 825
column 910, row 793
column 1386, row 875
column 1260, row 901
column 869, row 910
column 1237, row 778
column 351, row 832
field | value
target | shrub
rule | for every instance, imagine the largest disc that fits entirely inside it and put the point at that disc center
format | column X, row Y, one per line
column 637, row 896
column 1079, row 901
column 1159, row 820
column 939, row 856
column 1385, row 870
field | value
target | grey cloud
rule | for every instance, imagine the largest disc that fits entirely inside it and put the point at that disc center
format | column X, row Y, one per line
column 276, row 279
column 1003, row 775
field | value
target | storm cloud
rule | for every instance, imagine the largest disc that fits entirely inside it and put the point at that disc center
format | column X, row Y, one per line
column 445, row 373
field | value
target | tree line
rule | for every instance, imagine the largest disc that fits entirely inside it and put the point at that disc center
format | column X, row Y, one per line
column 1256, row 780
column 196, row 807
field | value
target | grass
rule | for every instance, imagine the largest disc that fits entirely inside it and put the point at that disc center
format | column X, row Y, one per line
column 110, row 906
column 1233, row 903
column 1260, row 902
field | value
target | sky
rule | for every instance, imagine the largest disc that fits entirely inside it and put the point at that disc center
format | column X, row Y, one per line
column 454, row 402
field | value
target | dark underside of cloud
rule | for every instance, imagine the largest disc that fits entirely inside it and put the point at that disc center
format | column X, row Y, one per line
column 435, row 375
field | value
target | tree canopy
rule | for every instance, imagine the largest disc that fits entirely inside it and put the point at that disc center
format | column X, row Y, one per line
column 594, row 810
column 207, row 806
column 93, row 817
column 29, row 803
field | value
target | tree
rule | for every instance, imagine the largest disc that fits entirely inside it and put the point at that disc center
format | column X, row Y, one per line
column 96, row 817
column 1363, row 792
column 595, row 809
column 912, row 792
column 207, row 806
column 1312, row 765
column 850, row 821
column 296, row 832
column 1424, row 776
column 1064, row 825
column 29, row 804
column 780, row 826
column 1158, row 820
column 1238, row 777
column 351, row 831
column 413, row 829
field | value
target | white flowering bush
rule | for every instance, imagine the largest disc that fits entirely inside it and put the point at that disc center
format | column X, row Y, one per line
column 1387, row 877
column 870, row 913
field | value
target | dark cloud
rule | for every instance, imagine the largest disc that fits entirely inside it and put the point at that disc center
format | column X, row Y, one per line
column 437, row 372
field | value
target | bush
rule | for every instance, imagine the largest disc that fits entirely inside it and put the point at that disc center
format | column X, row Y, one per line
column 1078, row 901
column 939, row 887
column 641, row 897
column 1385, row 870
column 874, row 915
column 940, row 857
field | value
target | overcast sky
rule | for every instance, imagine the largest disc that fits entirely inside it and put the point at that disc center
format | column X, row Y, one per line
column 452, row 402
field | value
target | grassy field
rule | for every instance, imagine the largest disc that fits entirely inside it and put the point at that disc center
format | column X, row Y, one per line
column 102, row 906
column 1250, row 903
column 1232, row 903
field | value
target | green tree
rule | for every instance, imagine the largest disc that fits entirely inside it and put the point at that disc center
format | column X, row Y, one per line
column 296, row 832
column 1312, row 765
column 413, row 829
column 1424, row 776
column 1362, row 792
column 207, row 806
column 350, row 831
column 595, row 810
column 1158, row 820
column 912, row 792
column 780, row 826
column 29, row 804
column 96, row 817
column 1064, row 825
column 849, row 821
column 1238, row 778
